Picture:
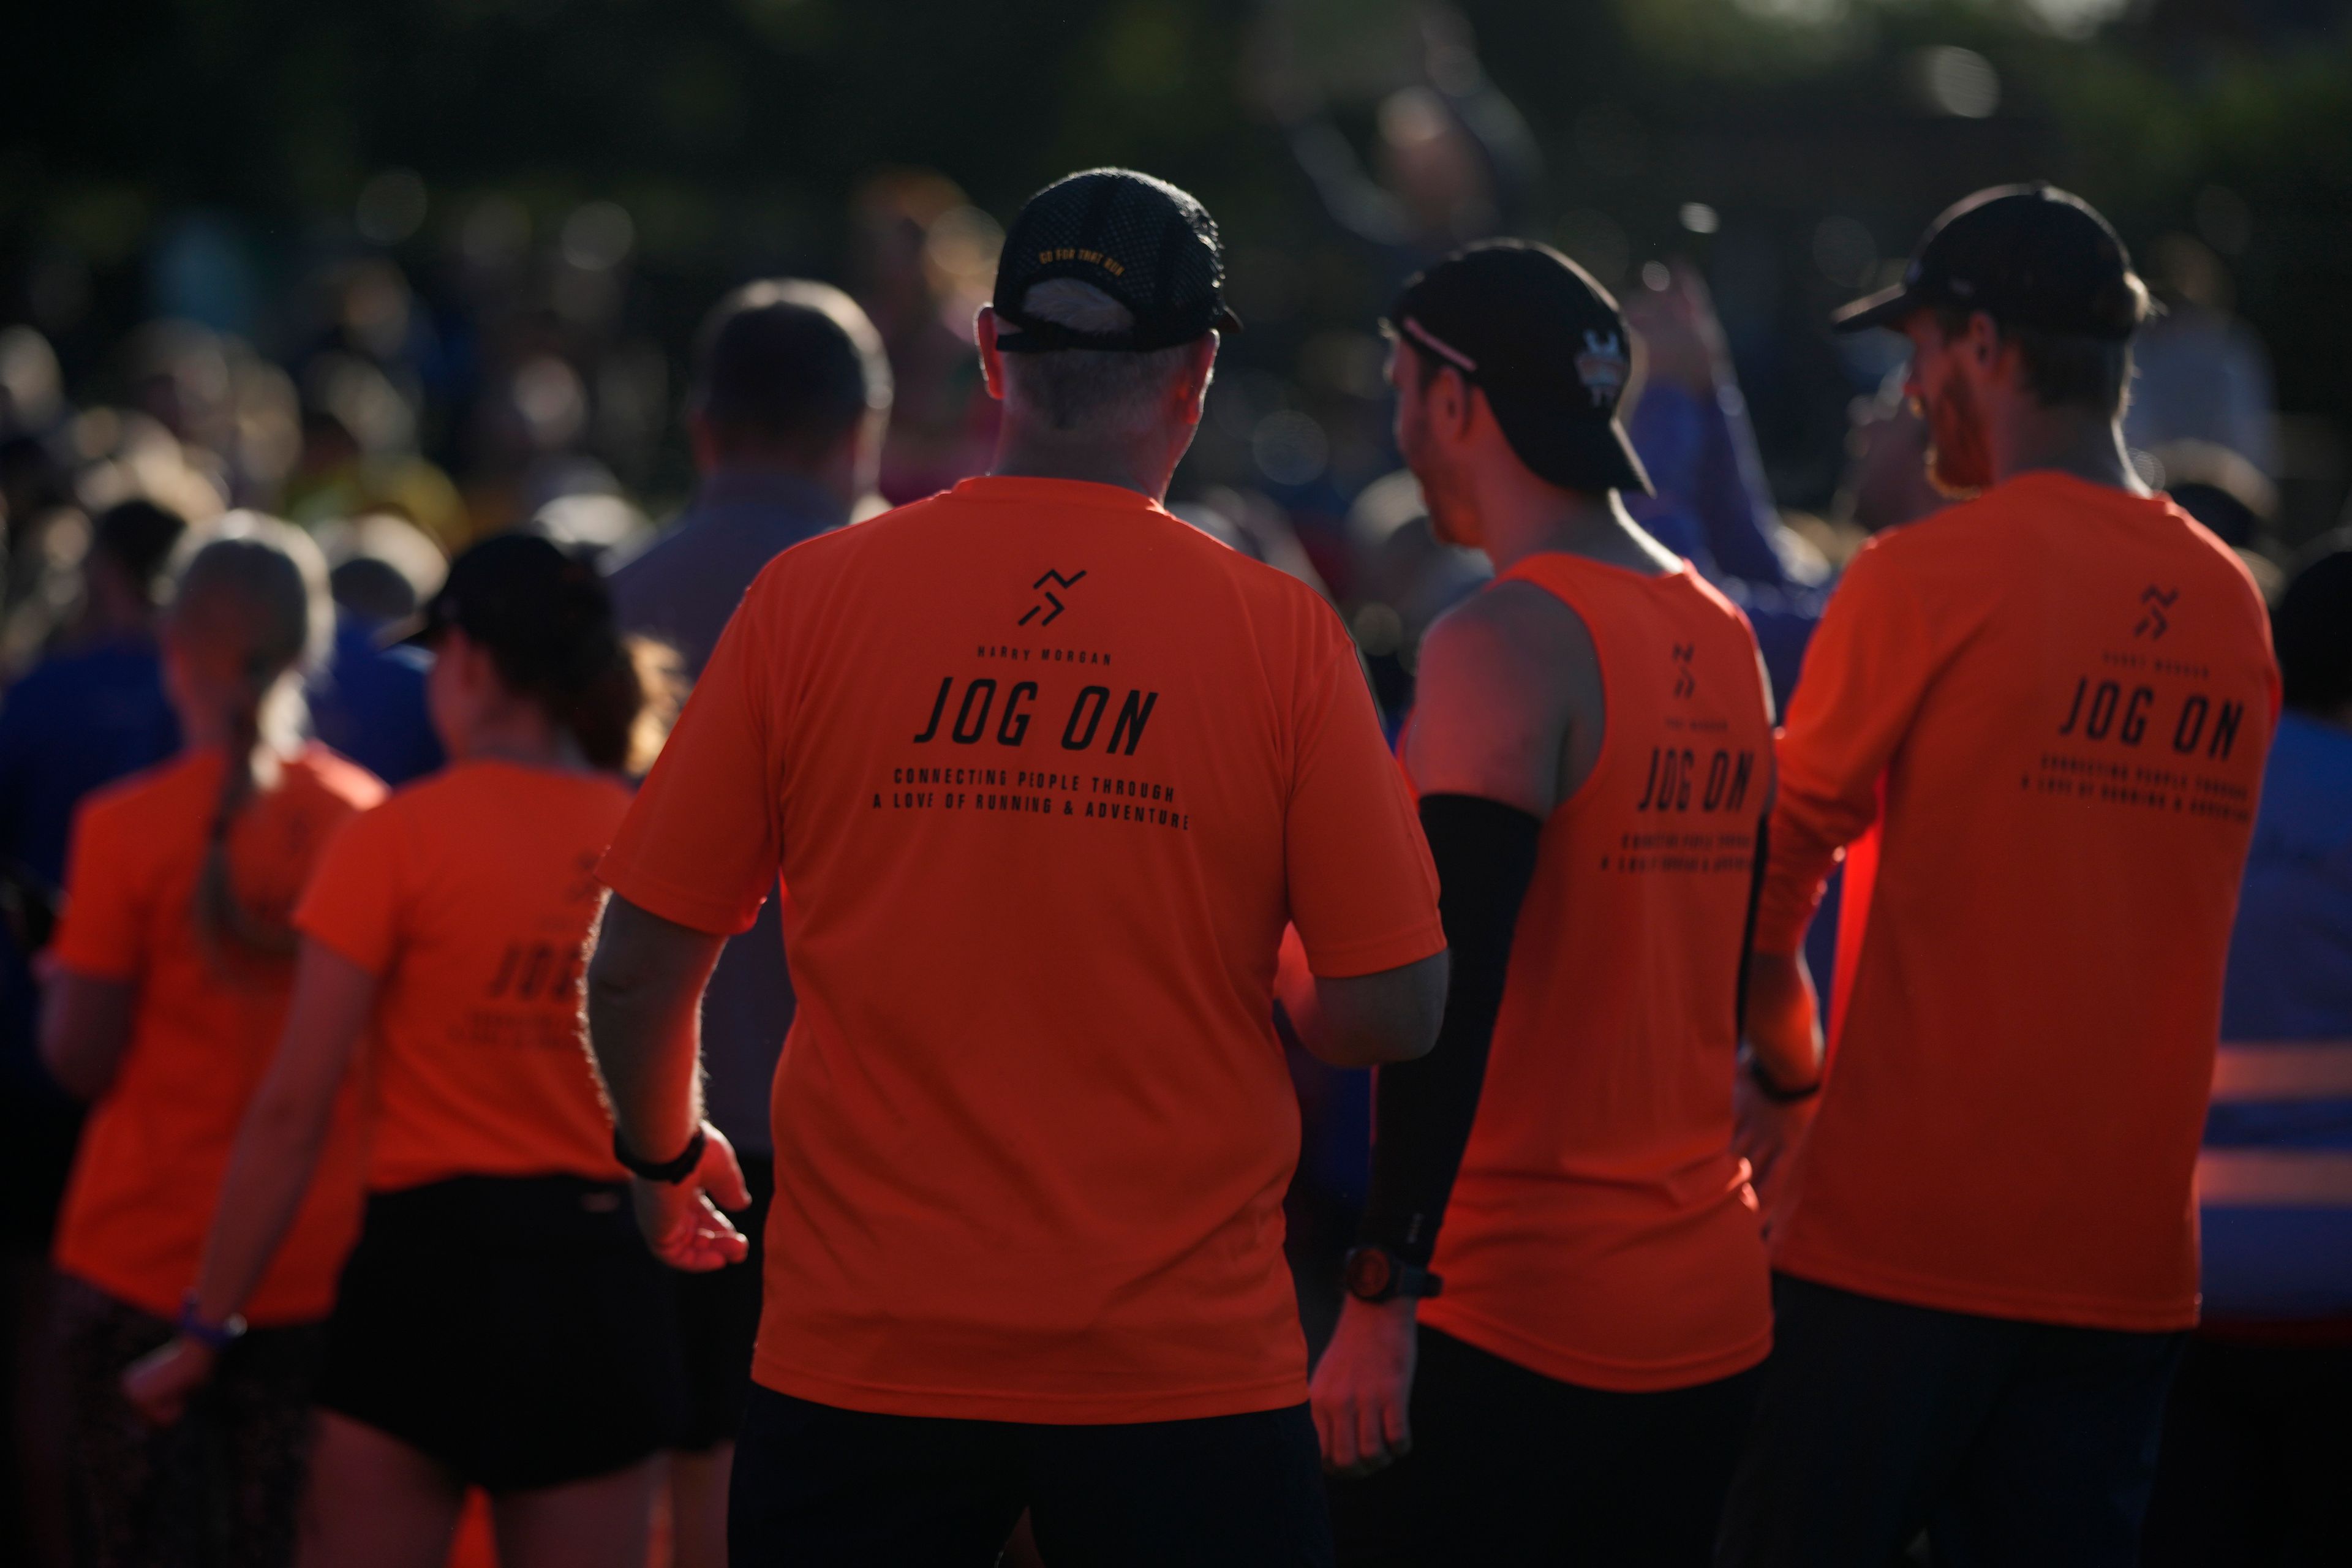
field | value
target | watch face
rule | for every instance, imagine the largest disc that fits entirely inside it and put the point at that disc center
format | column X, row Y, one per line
column 1369, row 1273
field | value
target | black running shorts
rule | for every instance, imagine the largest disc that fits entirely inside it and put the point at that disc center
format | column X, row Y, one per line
column 514, row 1328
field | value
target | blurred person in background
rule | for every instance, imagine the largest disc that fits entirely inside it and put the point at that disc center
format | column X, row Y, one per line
column 1452, row 159
column 1985, row 1248
column 921, row 257
column 1887, row 482
column 2257, row 1443
column 499, row 1323
column 85, row 716
column 791, row 395
column 2203, row 376
column 358, row 456
column 168, row 981
column 1557, row 1177
column 369, row 702
column 1710, row 503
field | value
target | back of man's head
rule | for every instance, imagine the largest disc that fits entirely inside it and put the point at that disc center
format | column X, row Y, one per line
column 1089, row 392
column 135, row 540
column 786, row 370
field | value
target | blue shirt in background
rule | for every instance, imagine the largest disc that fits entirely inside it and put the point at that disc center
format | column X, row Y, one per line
column 369, row 704
column 2276, row 1176
column 680, row 591
column 76, row 721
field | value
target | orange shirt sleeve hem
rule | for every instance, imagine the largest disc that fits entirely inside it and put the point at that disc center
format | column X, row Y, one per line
column 1346, row 960
column 711, row 916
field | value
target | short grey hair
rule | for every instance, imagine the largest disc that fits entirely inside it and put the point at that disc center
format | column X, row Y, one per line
column 1094, row 391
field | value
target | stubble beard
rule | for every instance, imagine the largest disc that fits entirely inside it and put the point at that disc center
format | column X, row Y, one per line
column 1959, row 459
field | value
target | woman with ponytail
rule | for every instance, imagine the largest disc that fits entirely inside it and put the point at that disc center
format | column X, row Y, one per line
column 500, row 1324
column 171, row 972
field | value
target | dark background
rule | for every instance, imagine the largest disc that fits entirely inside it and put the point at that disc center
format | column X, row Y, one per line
column 143, row 141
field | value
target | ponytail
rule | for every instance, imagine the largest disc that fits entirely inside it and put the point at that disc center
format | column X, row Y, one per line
column 254, row 600
column 621, row 712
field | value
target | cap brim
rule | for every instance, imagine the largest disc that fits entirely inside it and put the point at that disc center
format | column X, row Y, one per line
column 1886, row 308
column 1227, row 323
column 1567, row 446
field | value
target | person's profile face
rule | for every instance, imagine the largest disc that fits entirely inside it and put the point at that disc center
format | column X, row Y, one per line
column 1959, row 457
column 1438, row 468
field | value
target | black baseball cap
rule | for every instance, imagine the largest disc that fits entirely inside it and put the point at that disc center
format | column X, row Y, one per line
column 1141, row 240
column 540, row 609
column 2028, row 256
column 1532, row 330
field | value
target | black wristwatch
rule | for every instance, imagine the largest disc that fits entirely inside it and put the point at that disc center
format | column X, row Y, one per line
column 1376, row 1274
column 669, row 1173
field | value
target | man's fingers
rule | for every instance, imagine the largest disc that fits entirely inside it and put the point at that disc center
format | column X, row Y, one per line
column 1371, row 1445
column 720, row 1173
column 1396, row 1429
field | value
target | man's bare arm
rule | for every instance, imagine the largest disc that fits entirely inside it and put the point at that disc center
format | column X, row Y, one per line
column 1373, row 1020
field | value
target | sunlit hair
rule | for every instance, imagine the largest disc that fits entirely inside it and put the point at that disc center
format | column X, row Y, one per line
column 1095, row 391
column 252, row 599
column 621, row 712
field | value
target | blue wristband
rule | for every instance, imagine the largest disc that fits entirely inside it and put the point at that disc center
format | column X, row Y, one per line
column 213, row 1337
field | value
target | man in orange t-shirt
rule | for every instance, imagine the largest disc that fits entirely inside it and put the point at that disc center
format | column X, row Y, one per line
column 1592, row 748
column 1045, row 773
column 2040, row 717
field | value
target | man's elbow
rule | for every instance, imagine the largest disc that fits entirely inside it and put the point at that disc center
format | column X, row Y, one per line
column 1379, row 1020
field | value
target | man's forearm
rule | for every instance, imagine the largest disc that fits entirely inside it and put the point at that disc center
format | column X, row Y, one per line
column 1422, row 1111
column 644, row 1001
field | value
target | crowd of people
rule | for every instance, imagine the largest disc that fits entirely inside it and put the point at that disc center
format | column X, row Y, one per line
column 1780, row 1140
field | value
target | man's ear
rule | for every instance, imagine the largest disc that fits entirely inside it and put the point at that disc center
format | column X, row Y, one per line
column 992, row 358
column 1193, row 386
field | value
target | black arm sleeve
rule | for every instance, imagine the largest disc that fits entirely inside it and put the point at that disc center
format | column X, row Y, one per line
column 1485, row 854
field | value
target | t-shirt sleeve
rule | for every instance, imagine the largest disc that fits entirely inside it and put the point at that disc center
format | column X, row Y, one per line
column 699, row 846
column 101, row 934
column 352, row 903
column 1869, row 665
column 1363, row 891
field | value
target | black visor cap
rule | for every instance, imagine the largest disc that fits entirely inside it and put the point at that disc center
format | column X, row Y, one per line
column 1139, row 239
column 2028, row 256
column 1544, row 344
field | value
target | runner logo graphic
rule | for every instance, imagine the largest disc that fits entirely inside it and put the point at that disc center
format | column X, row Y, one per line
column 2154, row 624
column 1685, row 684
column 1051, row 598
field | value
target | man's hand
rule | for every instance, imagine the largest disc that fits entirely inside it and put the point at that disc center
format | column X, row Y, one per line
column 1783, row 1020
column 1768, row 1133
column 160, row 1384
column 682, row 1222
column 1363, row 1387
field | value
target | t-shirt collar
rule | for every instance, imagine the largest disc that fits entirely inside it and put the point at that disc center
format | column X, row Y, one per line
column 1065, row 493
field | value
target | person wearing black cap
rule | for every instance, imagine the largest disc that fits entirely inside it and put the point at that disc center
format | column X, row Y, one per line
column 499, row 1324
column 1563, row 1371
column 1045, row 773
column 2039, row 719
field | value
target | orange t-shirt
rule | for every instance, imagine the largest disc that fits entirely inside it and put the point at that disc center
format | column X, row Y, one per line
column 205, row 1028
column 1045, row 771
column 2062, row 695
column 470, row 896
column 1601, row 1232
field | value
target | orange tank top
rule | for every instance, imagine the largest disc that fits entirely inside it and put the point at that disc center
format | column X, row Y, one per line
column 1601, row 1232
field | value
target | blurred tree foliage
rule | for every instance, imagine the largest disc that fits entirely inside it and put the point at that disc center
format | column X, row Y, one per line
column 731, row 131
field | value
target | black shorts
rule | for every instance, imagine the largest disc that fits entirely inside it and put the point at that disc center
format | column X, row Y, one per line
column 2013, row 1445
column 515, row 1328
column 816, row 1487
column 719, row 1320
column 1512, row 1467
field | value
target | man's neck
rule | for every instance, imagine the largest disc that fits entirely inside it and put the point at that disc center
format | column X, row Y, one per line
column 1025, row 455
column 777, row 469
column 2067, row 441
column 1530, row 521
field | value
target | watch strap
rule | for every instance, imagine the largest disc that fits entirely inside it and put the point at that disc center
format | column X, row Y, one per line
column 668, row 1172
